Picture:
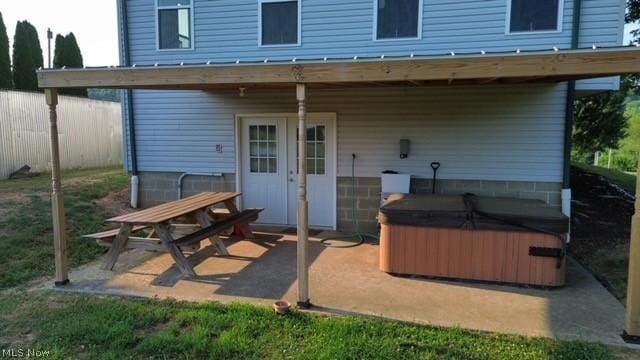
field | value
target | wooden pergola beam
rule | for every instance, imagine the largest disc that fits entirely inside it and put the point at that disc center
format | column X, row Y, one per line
column 558, row 65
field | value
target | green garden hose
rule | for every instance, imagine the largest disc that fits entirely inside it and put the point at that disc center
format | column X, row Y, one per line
column 358, row 235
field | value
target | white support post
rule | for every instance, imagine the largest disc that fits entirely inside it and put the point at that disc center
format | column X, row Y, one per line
column 57, row 199
column 303, row 211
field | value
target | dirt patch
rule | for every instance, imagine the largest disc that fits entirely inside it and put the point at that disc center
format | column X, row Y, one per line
column 600, row 229
column 9, row 201
column 14, row 197
column 117, row 202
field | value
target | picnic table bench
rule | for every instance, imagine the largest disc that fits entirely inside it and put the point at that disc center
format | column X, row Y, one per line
column 164, row 219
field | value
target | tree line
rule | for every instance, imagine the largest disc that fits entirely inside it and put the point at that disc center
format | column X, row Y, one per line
column 19, row 70
column 606, row 120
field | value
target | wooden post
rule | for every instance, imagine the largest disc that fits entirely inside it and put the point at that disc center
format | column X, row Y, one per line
column 303, row 211
column 632, row 325
column 57, row 199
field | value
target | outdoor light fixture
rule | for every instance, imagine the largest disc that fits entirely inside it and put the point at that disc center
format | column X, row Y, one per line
column 404, row 148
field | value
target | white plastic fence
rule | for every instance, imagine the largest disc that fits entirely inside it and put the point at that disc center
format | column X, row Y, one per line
column 90, row 132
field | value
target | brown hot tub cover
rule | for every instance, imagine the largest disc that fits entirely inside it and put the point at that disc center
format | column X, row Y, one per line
column 473, row 212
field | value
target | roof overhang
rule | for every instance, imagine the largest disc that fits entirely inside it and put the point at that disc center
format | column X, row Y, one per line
column 516, row 67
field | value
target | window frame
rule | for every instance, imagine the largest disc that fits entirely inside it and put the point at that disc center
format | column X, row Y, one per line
column 260, row 44
column 559, row 21
column 191, row 24
column 375, row 23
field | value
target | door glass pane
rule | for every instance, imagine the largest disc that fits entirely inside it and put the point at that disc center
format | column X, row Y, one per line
column 253, row 148
column 264, row 165
column 273, row 165
column 311, row 150
column 311, row 166
column 263, row 149
column 272, row 133
column 254, row 167
column 253, row 132
column 262, row 133
column 311, row 133
column 320, row 132
column 320, row 163
column 320, row 150
column 272, row 149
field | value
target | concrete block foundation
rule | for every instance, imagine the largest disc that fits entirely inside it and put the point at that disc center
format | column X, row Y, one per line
column 161, row 187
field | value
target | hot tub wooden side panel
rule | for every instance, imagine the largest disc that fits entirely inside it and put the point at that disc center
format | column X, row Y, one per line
column 484, row 255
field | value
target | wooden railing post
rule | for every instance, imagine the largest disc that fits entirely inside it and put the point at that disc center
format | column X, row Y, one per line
column 57, row 199
column 632, row 325
column 303, row 212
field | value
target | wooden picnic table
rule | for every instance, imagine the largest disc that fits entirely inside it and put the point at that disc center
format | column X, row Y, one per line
column 162, row 218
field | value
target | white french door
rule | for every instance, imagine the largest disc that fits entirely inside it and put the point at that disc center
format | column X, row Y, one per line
column 320, row 169
column 269, row 168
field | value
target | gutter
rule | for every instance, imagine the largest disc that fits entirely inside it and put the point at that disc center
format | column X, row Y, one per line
column 568, row 116
column 126, row 60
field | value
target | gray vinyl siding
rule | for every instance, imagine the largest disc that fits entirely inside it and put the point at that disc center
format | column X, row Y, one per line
column 228, row 30
column 489, row 132
column 177, row 131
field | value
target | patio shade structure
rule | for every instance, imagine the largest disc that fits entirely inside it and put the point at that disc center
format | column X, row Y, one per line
column 303, row 74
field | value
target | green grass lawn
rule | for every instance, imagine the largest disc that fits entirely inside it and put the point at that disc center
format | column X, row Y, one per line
column 26, row 237
column 622, row 179
column 81, row 326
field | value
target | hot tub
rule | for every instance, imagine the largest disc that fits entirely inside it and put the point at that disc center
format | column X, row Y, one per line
column 504, row 240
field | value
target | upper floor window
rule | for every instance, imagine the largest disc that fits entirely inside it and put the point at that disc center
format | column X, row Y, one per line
column 279, row 22
column 398, row 19
column 175, row 24
column 534, row 15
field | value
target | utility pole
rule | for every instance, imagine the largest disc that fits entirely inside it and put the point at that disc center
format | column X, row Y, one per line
column 49, row 37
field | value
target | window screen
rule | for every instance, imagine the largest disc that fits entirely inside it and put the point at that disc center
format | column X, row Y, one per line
column 398, row 19
column 534, row 15
column 280, row 23
column 174, row 28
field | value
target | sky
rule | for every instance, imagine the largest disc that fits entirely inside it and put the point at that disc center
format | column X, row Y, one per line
column 94, row 23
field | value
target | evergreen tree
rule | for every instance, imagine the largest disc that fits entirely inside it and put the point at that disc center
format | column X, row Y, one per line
column 6, row 81
column 27, row 57
column 58, row 53
column 34, row 41
column 74, row 56
column 67, row 53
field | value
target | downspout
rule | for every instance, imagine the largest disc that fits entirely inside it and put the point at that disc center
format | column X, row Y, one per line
column 568, row 120
column 126, row 61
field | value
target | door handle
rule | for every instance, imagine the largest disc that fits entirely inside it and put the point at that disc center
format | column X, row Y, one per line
column 291, row 180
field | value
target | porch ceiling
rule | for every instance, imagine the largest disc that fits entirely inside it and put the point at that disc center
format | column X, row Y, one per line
column 515, row 67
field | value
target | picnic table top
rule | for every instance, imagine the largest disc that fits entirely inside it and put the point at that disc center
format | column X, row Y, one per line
column 175, row 209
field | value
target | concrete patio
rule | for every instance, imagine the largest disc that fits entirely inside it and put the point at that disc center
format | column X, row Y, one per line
column 347, row 281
